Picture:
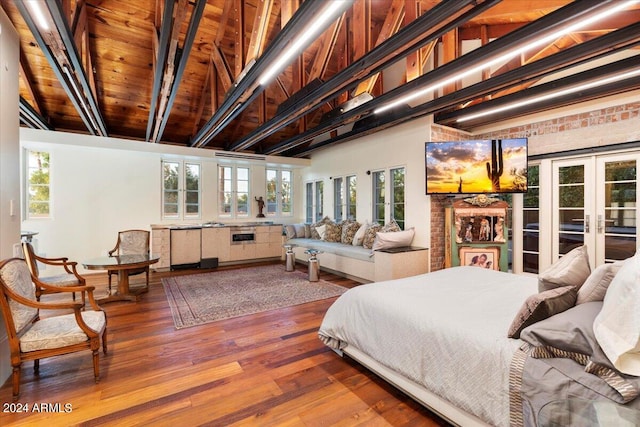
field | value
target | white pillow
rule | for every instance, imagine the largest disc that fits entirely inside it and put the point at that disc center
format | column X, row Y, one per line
column 322, row 230
column 617, row 327
column 393, row 239
column 596, row 285
column 359, row 236
column 570, row 270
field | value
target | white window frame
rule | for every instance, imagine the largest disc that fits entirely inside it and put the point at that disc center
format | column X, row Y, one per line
column 280, row 195
column 182, row 201
column 28, row 168
column 233, row 191
column 314, row 200
column 387, row 195
column 351, row 208
column 338, row 198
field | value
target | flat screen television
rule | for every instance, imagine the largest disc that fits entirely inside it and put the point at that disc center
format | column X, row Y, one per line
column 476, row 166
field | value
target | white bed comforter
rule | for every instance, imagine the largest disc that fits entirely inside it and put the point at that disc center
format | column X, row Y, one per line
column 445, row 330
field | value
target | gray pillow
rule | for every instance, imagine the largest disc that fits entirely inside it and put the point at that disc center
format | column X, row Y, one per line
column 570, row 270
column 571, row 330
column 541, row 306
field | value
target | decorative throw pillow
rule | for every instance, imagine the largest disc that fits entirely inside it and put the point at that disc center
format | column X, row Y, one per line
column 290, row 231
column 349, row 231
column 596, row 285
column 314, row 232
column 570, row 270
column 370, row 235
column 540, row 306
column 333, row 232
column 300, row 230
column 359, row 236
column 393, row 239
column 617, row 327
column 391, row 226
column 307, row 231
column 321, row 230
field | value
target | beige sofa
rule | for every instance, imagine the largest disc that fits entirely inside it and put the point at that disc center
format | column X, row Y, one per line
column 361, row 264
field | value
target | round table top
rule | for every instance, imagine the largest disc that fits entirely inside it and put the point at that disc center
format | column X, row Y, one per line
column 120, row 262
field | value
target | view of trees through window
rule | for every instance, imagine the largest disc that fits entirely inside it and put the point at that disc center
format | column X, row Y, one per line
column 38, row 195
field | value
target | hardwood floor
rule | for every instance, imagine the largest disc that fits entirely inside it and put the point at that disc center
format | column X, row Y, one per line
column 267, row 369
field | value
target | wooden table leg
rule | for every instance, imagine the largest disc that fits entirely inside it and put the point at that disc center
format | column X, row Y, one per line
column 123, row 293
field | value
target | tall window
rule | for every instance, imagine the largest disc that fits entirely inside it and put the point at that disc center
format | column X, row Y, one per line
column 38, row 185
column 351, row 194
column 279, row 193
column 233, row 191
column 531, row 221
column 319, row 199
column 309, row 203
column 384, row 211
column 181, row 189
column 378, row 197
column 314, row 201
column 397, row 196
column 338, row 199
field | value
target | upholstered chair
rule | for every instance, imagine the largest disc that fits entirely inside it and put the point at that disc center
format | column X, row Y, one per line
column 131, row 242
column 32, row 337
column 68, row 274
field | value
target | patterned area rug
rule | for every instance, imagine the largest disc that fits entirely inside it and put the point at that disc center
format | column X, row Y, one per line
column 203, row 298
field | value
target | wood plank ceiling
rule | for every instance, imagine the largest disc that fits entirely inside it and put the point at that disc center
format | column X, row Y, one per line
column 186, row 72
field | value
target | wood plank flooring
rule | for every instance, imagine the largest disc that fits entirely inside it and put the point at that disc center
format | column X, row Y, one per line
column 267, row 369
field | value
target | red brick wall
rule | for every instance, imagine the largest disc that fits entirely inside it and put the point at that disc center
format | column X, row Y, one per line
column 602, row 116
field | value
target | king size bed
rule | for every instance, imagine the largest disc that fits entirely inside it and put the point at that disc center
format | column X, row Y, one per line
column 442, row 338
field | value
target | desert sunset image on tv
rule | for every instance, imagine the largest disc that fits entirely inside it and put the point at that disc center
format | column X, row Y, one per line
column 476, row 166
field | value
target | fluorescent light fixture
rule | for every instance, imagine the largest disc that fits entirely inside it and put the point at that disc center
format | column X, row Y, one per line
column 527, row 45
column 328, row 14
column 540, row 98
column 38, row 14
column 81, row 98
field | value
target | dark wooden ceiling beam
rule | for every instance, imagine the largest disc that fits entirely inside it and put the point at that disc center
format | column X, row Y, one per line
column 545, row 25
column 173, row 75
column 248, row 88
column 442, row 18
column 609, row 44
column 62, row 54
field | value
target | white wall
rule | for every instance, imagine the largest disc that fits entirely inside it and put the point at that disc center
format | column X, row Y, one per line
column 102, row 185
column 399, row 146
column 9, row 167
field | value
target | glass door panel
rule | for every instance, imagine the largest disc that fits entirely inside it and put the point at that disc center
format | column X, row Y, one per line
column 572, row 217
column 617, row 208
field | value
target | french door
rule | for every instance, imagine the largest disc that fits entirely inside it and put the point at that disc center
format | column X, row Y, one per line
column 594, row 203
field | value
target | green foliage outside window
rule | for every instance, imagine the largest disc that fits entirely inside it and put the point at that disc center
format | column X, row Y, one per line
column 38, row 195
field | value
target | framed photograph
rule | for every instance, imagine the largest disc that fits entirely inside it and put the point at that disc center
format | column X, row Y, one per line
column 487, row 257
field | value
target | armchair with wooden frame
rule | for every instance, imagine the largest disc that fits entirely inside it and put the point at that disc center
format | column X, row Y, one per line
column 131, row 242
column 70, row 276
column 32, row 337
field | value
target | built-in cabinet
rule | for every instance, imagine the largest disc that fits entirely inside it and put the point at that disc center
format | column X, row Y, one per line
column 178, row 246
column 212, row 246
